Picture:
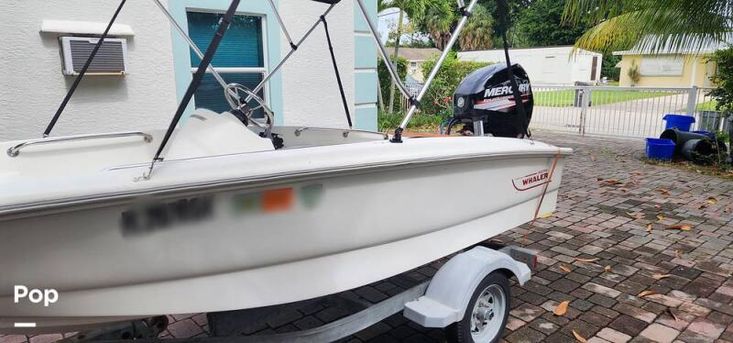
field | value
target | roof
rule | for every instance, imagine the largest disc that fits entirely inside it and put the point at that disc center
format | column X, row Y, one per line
column 537, row 49
column 647, row 46
column 418, row 54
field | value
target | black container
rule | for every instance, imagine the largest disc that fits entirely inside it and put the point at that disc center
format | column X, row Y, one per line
column 681, row 137
column 699, row 151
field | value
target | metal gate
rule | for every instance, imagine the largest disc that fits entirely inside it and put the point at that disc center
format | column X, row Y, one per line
column 620, row 111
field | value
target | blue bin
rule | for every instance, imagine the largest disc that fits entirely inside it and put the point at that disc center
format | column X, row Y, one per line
column 680, row 122
column 659, row 148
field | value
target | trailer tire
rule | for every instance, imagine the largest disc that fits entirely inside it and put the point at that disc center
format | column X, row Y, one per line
column 486, row 313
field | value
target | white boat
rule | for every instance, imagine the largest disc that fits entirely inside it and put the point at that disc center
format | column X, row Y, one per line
column 227, row 221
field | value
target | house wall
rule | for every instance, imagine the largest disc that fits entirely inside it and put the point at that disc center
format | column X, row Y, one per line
column 303, row 92
column 32, row 84
column 554, row 65
column 696, row 71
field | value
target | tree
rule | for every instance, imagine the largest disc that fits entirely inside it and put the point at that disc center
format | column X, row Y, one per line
column 541, row 24
column 608, row 67
column 723, row 80
column 441, row 18
column 654, row 25
column 414, row 10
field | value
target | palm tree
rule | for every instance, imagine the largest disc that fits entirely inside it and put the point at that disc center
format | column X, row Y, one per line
column 439, row 20
column 477, row 34
column 414, row 9
column 654, row 25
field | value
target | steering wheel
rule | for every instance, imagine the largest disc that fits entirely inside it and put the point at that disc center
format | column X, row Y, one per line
column 239, row 97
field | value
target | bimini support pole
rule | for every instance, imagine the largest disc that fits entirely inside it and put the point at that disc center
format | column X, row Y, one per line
column 82, row 72
column 196, row 81
column 291, row 52
column 383, row 52
column 282, row 24
column 190, row 42
column 465, row 12
column 523, row 122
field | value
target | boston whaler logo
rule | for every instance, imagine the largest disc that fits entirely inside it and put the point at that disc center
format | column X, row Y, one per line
column 535, row 179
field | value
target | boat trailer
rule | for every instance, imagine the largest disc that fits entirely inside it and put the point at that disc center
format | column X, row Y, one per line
column 469, row 292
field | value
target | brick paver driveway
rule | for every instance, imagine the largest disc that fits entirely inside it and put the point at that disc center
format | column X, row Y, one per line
column 608, row 242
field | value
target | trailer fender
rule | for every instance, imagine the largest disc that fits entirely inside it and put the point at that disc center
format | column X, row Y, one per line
column 450, row 290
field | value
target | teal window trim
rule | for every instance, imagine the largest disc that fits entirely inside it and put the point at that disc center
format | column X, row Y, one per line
column 270, row 28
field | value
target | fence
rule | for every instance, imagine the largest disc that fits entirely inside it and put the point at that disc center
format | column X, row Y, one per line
column 620, row 111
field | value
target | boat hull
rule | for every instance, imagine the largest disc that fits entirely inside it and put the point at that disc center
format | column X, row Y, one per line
column 265, row 243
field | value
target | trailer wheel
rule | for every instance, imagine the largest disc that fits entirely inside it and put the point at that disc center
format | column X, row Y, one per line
column 486, row 313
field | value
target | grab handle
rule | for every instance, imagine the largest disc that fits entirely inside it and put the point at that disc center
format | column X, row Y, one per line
column 15, row 150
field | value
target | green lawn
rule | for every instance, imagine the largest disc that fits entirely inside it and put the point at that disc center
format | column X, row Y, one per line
column 707, row 106
column 564, row 98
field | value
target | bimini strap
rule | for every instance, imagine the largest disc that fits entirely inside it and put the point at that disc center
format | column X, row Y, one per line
column 336, row 71
column 83, row 71
column 196, row 81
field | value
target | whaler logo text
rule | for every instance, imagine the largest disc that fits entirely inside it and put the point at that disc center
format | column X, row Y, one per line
column 532, row 180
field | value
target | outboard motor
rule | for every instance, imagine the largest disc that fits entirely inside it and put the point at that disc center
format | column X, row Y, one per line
column 485, row 96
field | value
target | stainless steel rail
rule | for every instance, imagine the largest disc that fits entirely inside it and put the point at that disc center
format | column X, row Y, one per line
column 15, row 150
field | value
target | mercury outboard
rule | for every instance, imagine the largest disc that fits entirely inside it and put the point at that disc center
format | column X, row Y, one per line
column 484, row 101
column 494, row 100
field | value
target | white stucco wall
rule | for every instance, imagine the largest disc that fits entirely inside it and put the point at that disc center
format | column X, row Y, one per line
column 552, row 65
column 310, row 92
column 32, row 84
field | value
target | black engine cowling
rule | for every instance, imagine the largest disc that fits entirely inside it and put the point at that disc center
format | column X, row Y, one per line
column 486, row 95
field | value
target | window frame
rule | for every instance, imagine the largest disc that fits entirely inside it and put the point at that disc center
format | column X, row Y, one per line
column 263, row 71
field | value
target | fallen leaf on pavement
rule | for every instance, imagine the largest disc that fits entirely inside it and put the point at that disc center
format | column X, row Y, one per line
column 607, row 269
column 663, row 191
column 645, row 293
column 565, row 269
column 712, row 200
column 671, row 313
column 661, row 276
column 546, row 215
column 649, row 227
column 579, row 337
column 682, row 227
column 561, row 308
column 612, row 182
column 660, row 217
column 635, row 215
column 586, row 259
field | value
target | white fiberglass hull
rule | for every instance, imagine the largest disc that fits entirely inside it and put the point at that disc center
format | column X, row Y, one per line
column 322, row 220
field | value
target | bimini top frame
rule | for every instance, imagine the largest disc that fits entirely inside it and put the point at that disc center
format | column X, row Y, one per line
column 231, row 91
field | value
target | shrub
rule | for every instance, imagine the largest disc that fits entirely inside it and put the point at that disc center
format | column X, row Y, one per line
column 420, row 121
column 439, row 99
column 385, row 80
column 634, row 74
column 723, row 79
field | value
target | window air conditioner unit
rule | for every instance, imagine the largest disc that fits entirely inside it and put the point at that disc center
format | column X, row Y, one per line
column 111, row 59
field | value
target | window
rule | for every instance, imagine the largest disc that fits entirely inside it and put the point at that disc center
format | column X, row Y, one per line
column 662, row 66
column 239, row 59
